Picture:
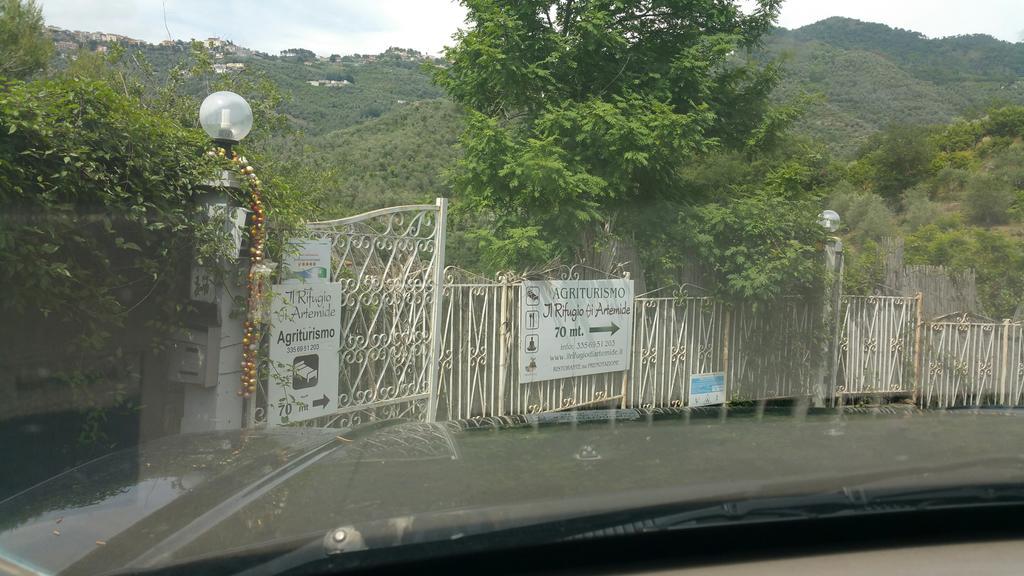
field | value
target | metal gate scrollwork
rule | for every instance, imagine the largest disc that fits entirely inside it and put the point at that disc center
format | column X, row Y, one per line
column 389, row 263
column 876, row 345
column 972, row 361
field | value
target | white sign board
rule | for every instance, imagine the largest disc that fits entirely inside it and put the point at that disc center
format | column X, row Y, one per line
column 574, row 327
column 707, row 389
column 305, row 334
column 306, row 261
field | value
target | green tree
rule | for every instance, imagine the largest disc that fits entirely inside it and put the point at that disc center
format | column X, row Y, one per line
column 918, row 209
column 760, row 246
column 582, row 114
column 865, row 216
column 25, row 47
column 1008, row 121
column 897, row 159
column 987, row 199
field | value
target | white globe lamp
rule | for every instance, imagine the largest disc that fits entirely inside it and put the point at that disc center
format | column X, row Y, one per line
column 829, row 220
column 226, row 117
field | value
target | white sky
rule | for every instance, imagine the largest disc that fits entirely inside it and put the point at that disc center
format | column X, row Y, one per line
column 371, row 26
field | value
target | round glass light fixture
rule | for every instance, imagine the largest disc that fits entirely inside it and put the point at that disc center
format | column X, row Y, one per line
column 226, row 116
column 829, row 220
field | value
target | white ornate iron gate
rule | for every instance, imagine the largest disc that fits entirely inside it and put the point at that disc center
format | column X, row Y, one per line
column 389, row 263
column 877, row 345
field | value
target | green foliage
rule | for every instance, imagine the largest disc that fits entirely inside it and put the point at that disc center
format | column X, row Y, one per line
column 863, row 268
column 960, row 135
column 978, row 179
column 865, row 216
column 761, row 246
column 987, row 200
column 949, row 183
column 299, row 55
column 942, row 60
column 997, row 259
column 393, row 160
column 25, row 47
column 896, row 160
column 99, row 195
column 1008, row 164
column 1007, row 121
column 919, row 209
column 583, row 114
column 102, row 171
column 522, row 245
column 871, row 76
column 376, row 87
column 378, row 84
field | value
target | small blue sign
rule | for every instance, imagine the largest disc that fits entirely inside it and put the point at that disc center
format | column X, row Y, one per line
column 707, row 389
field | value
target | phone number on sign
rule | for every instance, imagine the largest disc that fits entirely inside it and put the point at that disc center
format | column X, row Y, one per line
column 302, row 348
column 596, row 344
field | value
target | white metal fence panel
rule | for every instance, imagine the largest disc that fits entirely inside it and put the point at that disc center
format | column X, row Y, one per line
column 479, row 358
column 972, row 363
column 673, row 338
column 877, row 345
column 474, row 349
column 774, row 352
column 1015, row 371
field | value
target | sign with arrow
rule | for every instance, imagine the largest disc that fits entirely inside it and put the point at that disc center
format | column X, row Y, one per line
column 574, row 328
column 305, row 335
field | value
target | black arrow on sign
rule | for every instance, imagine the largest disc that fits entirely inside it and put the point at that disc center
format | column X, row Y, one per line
column 613, row 329
column 321, row 403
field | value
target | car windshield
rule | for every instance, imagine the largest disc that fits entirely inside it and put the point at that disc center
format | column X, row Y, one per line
column 278, row 273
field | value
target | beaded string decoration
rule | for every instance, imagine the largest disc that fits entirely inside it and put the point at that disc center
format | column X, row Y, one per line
column 257, row 269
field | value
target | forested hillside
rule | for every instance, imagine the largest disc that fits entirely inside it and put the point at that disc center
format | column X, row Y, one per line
column 869, row 76
column 395, row 159
column 862, row 77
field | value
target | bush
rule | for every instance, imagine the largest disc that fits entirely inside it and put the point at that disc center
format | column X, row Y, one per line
column 100, row 194
column 960, row 135
column 1008, row 122
column 864, row 216
column 760, row 246
column 863, row 268
column 897, row 159
column 1008, row 164
column 949, row 183
column 918, row 208
column 988, row 199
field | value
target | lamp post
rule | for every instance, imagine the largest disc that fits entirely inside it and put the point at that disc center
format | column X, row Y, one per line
column 829, row 220
column 212, row 402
